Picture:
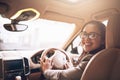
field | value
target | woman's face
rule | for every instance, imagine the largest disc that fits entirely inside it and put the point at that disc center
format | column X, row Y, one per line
column 94, row 40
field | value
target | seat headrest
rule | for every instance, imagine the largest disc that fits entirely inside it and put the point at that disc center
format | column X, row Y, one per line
column 113, row 32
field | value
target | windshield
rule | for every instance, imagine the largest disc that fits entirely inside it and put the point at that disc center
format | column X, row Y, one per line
column 40, row 34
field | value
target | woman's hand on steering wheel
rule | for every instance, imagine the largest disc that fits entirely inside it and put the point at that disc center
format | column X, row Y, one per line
column 46, row 64
column 59, row 60
column 68, row 65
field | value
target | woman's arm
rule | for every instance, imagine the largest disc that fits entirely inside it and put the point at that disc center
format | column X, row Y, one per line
column 73, row 73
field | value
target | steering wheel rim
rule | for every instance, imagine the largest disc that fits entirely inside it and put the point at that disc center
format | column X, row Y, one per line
column 46, row 51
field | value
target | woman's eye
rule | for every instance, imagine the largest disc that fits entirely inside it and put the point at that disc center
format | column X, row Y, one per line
column 91, row 35
column 84, row 35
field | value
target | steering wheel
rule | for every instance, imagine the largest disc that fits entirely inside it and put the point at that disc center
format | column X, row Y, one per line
column 58, row 59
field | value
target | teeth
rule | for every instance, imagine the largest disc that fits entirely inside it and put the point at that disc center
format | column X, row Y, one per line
column 87, row 44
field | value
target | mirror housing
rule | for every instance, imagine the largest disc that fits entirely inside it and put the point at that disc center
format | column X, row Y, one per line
column 15, row 27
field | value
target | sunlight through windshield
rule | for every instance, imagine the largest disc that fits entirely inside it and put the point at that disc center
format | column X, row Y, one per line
column 40, row 34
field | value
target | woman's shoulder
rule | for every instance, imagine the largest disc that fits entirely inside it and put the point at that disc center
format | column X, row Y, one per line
column 87, row 57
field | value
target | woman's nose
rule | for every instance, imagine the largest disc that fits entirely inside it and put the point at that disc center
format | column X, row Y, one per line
column 87, row 38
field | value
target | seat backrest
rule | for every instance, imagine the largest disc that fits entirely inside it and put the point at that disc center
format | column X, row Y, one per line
column 105, row 65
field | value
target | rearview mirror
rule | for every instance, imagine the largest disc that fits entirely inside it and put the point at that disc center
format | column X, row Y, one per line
column 15, row 27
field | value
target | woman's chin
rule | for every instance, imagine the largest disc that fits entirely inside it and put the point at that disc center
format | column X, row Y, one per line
column 87, row 50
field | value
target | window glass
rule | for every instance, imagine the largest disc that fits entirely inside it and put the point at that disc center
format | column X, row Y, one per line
column 105, row 22
column 40, row 34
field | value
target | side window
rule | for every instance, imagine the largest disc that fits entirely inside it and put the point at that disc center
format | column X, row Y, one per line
column 72, row 48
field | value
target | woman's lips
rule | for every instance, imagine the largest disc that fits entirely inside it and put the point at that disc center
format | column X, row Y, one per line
column 88, row 44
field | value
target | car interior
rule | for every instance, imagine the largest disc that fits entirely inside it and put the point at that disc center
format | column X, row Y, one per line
column 30, row 30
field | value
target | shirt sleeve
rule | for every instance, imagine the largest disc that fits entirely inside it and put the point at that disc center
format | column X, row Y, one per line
column 73, row 73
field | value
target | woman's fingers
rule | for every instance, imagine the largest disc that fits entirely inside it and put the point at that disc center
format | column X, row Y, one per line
column 68, row 65
column 46, row 64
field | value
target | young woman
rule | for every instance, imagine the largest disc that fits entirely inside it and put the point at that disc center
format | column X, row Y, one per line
column 92, row 41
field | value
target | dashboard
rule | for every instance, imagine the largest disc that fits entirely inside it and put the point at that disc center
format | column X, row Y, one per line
column 13, row 67
column 13, row 64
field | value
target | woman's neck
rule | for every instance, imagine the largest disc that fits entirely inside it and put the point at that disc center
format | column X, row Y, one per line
column 97, row 50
